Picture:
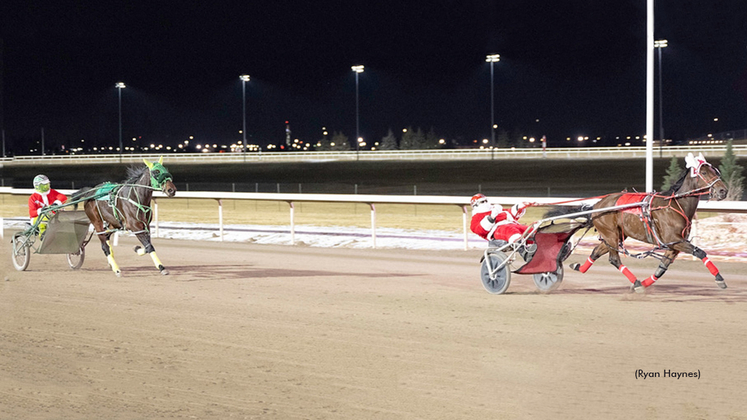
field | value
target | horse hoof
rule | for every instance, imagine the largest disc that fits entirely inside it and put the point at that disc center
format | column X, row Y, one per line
column 139, row 250
column 164, row 272
column 721, row 284
column 118, row 273
column 637, row 287
column 574, row 266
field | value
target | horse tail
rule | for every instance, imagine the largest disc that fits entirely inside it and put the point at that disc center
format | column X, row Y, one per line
column 559, row 211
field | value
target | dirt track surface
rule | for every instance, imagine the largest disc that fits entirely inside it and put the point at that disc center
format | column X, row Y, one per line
column 249, row 331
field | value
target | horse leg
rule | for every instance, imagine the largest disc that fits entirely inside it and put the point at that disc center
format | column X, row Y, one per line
column 668, row 259
column 615, row 261
column 597, row 252
column 94, row 215
column 109, row 252
column 147, row 248
column 686, row 246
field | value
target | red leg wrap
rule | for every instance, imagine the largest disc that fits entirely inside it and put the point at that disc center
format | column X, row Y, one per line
column 711, row 267
column 649, row 281
column 628, row 274
column 586, row 265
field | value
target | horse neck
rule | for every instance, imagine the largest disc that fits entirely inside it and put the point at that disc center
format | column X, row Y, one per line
column 141, row 191
column 689, row 202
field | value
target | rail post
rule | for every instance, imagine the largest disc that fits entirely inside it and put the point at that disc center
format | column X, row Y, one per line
column 220, row 219
column 465, row 227
column 155, row 215
column 292, row 223
column 373, row 224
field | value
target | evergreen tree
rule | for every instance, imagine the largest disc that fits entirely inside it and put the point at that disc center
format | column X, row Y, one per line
column 408, row 139
column 339, row 142
column 323, row 145
column 419, row 140
column 731, row 174
column 673, row 174
column 502, row 140
column 431, row 139
column 389, row 142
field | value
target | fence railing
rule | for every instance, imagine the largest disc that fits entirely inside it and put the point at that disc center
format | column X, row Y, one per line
column 373, row 200
column 439, row 154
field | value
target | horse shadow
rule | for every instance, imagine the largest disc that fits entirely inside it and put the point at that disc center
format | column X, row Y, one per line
column 205, row 272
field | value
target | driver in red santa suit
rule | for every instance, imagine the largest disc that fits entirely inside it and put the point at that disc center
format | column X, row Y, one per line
column 43, row 196
column 492, row 222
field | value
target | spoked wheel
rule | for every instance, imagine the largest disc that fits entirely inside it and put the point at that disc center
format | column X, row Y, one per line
column 501, row 279
column 547, row 282
column 76, row 260
column 21, row 252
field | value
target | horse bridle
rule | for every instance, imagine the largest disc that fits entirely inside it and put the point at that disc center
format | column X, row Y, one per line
column 159, row 176
column 709, row 183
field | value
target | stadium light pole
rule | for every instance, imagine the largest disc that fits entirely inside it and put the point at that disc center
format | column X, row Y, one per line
column 120, row 86
column 244, row 78
column 357, row 70
column 649, row 95
column 492, row 58
column 659, row 44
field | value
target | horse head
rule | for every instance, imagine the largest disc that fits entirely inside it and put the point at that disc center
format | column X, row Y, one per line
column 706, row 176
column 160, row 178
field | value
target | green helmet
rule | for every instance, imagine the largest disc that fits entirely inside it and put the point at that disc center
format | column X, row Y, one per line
column 41, row 184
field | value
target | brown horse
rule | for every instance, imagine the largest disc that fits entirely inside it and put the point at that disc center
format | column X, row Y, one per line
column 126, row 206
column 662, row 219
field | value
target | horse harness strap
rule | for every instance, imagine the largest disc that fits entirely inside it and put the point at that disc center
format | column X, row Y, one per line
column 644, row 212
column 112, row 197
column 651, row 234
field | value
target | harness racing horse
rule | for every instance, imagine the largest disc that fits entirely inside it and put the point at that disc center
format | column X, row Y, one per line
column 114, row 207
column 662, row 219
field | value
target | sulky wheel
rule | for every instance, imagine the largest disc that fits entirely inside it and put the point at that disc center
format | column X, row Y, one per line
column 500, row 279
column 549, row 281
column 21, row 252
column 76, row 260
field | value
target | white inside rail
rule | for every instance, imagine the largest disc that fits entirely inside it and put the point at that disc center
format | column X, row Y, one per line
column 372, row 200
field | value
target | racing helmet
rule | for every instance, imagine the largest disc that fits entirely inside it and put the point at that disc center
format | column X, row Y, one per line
column 477, row 200
column 41, row 184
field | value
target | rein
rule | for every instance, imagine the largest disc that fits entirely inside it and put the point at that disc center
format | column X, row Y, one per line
column 113, row 201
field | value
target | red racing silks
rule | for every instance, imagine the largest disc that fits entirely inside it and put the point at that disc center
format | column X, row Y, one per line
column 628, row 274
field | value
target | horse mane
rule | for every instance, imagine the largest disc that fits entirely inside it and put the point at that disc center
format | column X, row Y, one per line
column 677, row 185
column 134, row 173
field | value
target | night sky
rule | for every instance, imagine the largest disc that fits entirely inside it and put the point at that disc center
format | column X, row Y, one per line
column 568, row 68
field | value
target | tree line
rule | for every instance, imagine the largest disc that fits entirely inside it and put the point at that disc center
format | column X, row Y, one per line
column 731, row 174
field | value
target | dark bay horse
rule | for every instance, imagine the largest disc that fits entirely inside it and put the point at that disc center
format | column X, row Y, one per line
column 113, row 207
column 662, row 219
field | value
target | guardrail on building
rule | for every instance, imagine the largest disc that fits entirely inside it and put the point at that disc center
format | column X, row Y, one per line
column 368, row 155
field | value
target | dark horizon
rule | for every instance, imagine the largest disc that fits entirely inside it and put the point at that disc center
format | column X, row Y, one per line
column 567, row 69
